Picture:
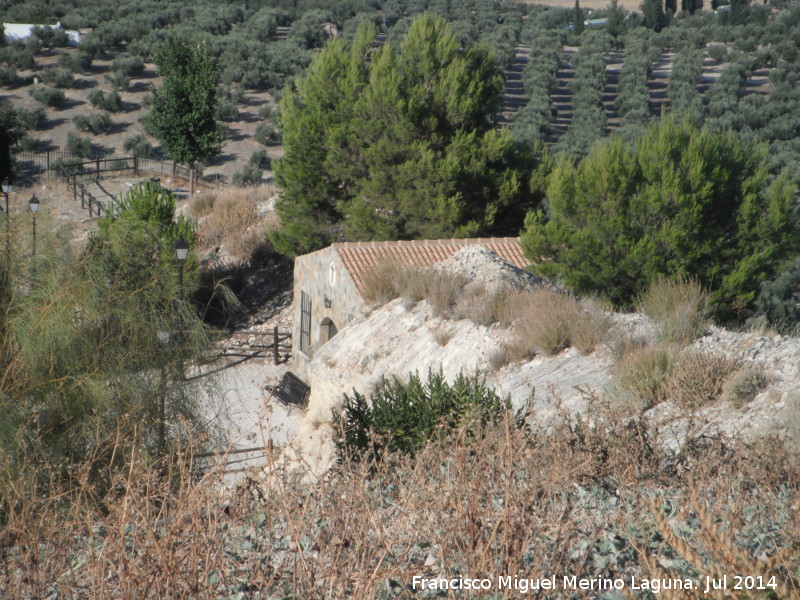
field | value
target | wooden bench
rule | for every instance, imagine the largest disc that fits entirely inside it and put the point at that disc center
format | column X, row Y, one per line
column 292, row 390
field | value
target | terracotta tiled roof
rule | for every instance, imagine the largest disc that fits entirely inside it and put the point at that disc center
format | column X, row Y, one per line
column 358, row 257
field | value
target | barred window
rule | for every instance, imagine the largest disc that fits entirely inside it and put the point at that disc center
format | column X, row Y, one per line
column 305, row 323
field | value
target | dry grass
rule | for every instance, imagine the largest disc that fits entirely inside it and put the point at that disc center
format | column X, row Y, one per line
column 511, row 503
column 678, row 309
column 387, row 280
column 230, row 220
column 550, row 321
column 699, row 378
column 202, row 205
column 541, row 320
column 645, row 372
column 743, row 385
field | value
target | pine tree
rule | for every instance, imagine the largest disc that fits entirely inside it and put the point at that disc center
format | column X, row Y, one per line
column 577, row 19
column 682, row 203
column 398, row 143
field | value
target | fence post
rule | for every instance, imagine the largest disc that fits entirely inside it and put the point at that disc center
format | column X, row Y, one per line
column 74, row 187
column 83, row 198
column 48, row 160
column 275, row 344
column 90, row 206
column 135, row 165
column 97, row 168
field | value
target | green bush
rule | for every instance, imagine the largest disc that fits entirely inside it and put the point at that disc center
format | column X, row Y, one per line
column 8, row 75
column 260, row 159
column 109, row 101
column 682, row 202
column 130, row 66
column 717, row 52
column 267, row 135
column 60, row 78
column 138, row 146
column 29, row 143
column 226, row 111
column 779, row 300
column 77, row 61
column 403, row 417
column 47, row 96
column 118, row 79
column 80, row 146
column 250, row 175
column 32, row 119
column 96, row 123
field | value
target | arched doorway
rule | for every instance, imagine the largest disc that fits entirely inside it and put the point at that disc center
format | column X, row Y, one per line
column 327, row 329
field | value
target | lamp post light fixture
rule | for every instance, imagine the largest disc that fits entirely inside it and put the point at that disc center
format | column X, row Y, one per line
column 33, row 203
column 181, row 248
column 7, row 189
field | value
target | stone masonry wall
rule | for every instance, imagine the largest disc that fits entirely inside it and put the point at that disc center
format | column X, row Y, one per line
column 321, row 274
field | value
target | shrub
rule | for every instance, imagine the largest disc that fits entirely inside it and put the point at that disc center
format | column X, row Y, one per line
column 698, row 378
column 386, row 280
column 267, row 135
column 717, row 52
column 743, row 386
column 118, row 79
column 8, row 75
column 60, row 78
column 403, row 417
column 678, row 309
column 778, row 301
column 202, row 205
column 260, row 159
column 111, row 101
column 80, row 146
column 29, row 143
column 129, row 66
column 645, row 373
column 266, row 111
column 226, row 111
column 250, row 175
column 47, row 96
column 96, row 123
column 138, row 146
column 76, row 61
column 32, row 119
column 550, row 321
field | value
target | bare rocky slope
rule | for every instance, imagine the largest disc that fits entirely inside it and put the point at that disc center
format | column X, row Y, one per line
column 401, row 337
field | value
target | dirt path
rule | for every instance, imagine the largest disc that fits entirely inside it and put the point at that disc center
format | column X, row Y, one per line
column 562, row 96
column 514, row 96
column 614, row 60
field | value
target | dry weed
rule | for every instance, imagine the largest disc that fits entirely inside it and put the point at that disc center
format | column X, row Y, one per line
column 380, row 284
column 202, row 205
column 646, row 372
column 678, row 309
column 233, row 222
column 698, row 378
column 551, row 321
column 505, row 504
column 744, row 385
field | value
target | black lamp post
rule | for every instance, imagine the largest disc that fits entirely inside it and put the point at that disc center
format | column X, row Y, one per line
column 7, row 189
column 33, row 203
column 181, row 248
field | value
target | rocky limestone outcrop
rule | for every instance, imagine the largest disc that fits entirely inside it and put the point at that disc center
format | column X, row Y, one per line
column 400, row 338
